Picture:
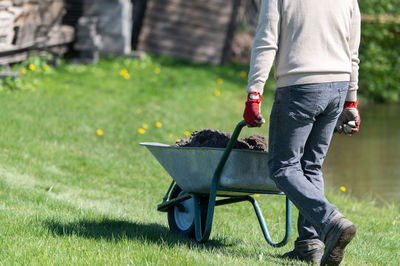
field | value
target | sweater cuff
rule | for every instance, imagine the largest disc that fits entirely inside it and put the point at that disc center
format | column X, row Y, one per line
column 255, row 87
column 351, row 96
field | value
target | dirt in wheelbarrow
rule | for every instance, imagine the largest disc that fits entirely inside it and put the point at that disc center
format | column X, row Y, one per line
column 214, row 138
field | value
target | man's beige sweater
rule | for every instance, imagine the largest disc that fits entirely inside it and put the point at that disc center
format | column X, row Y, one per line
column 310, row 41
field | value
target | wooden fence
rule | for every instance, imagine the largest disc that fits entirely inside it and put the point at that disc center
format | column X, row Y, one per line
column 383, row 18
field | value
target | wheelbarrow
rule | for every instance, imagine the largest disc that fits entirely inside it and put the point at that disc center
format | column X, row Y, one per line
column 201, row 174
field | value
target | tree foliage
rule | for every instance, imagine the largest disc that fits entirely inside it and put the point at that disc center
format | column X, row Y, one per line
column 380, row 61
column 380, row 7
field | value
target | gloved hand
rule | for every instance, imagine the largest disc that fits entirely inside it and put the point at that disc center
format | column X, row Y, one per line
column 349, row 120
column 251, row 113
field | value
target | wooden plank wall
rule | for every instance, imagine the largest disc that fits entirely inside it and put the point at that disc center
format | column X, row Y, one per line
column 189, row 29
column 35, row 28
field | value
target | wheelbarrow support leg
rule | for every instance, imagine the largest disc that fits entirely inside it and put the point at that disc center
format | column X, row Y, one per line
column 200, row 236
column 264, row 226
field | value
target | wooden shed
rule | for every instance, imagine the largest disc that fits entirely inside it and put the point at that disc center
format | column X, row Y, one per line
column 194, row 30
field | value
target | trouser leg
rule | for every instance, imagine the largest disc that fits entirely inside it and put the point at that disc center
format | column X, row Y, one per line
column 294, row 120
column 311, row 162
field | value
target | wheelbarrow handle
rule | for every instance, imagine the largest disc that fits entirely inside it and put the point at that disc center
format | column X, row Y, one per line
column 236, row 134
column 200, row 236
column 229, row 147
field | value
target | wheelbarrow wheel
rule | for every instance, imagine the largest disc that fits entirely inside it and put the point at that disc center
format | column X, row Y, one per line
column 181, row 215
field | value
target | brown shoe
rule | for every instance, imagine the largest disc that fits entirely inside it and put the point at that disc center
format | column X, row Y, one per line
column 340, row 234
column 306, row 250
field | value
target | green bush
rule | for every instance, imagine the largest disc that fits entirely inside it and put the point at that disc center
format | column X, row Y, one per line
column 380, row 7
column 380, row 61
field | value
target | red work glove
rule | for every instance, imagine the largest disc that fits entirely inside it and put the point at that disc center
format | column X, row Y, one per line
column 349, row 120
column 251, row 113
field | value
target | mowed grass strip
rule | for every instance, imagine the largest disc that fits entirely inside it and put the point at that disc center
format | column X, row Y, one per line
column 76, row 188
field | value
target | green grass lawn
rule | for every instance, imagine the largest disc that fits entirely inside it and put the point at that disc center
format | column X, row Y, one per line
column 71, row 194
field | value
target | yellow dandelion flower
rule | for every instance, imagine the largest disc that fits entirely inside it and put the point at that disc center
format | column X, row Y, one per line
column 217, row 93
column 100, row 132
column 123, row 72
column 187, row 133
column 158, row 124
column 177, row 140
column 23, row 71
column 171, row 135
column 243, row 74
column 126, row 76
column 256, row 195
column 46, row 67
column 157, row 70
column 343, row 188
column 32, row 67
column 145, row 126
column 141, row 131
column 138, row 111
column 220, row 81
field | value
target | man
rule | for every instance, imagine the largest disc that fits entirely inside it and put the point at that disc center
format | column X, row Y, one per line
column 314, row 45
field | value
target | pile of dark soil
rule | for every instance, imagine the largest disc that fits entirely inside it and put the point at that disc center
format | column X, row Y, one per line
column 216, row 139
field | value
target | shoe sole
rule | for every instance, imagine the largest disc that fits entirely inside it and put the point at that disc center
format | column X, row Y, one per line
column 335, row 255
column 315, row 259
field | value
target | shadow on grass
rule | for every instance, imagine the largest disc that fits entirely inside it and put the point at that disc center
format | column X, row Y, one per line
column 115, row 230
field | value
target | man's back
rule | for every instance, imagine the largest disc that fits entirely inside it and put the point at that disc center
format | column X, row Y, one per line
column 314, row 38
column 311, row 41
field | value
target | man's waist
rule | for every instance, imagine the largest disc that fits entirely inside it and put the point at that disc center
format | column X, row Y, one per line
column 306, row 78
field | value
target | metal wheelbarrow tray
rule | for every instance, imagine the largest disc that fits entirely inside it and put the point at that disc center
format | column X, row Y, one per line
column 200, row 174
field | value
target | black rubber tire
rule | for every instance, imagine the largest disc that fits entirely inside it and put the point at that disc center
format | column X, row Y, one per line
column 189, row 228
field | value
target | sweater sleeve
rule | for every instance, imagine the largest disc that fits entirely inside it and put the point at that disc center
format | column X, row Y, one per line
column 354, row 44
column 265, row 45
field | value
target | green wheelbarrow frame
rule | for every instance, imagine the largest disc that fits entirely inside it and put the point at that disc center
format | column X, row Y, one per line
column 201, row 236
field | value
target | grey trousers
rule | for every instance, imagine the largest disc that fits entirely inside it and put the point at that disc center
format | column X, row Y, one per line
column 302, row 122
